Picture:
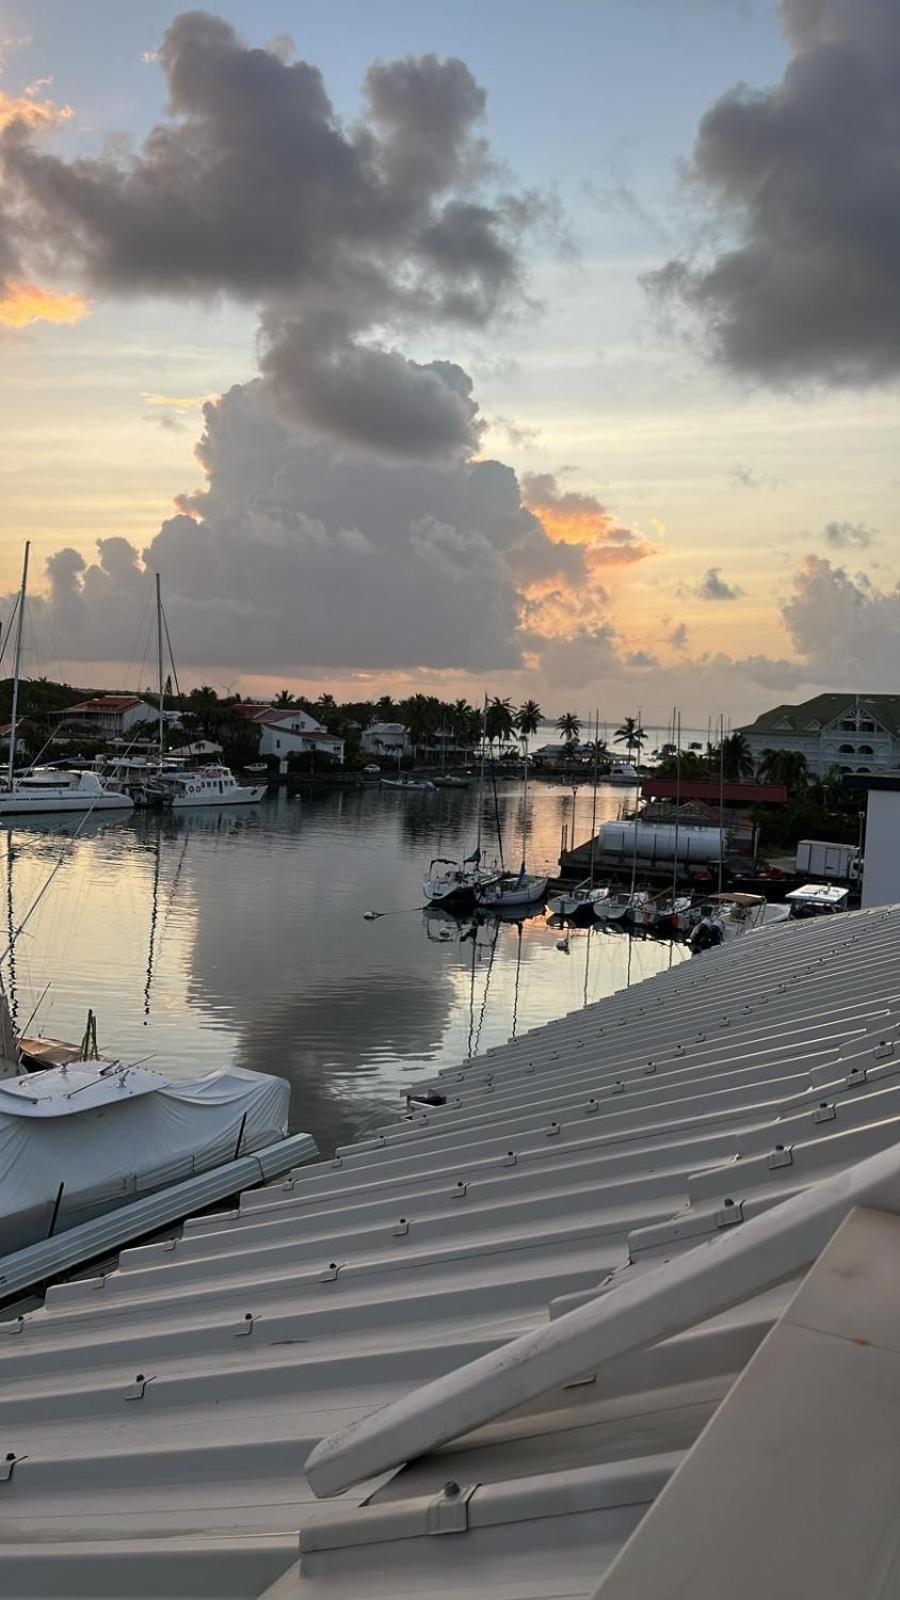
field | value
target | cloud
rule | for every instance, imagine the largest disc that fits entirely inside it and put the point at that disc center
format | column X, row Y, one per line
column 748, row 478
column 714, row 587
column 805, row 177
column 580, row 519
column 678, row 636
column 26, row 111
column 184, row 402
column 848, row 535
column 24, row 303
column 306, row 552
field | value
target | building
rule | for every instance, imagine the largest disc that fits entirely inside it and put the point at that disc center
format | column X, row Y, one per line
column 385, row 739
column 858, row 733
column 291, row 731
column 711, row 793
column 6, row 731
column 107, row 716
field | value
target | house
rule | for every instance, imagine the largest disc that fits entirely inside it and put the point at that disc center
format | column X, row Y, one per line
column 288, row 731
column 858, row 733
column 385, row 739
column 6, row 730
column 107, row 716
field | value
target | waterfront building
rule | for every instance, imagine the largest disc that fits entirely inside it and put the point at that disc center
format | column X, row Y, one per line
column 857, row 733
column 385, row 739
column 106, row 716
column 293, row 731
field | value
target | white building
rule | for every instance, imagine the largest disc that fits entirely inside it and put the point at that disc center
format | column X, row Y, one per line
column 291, row 730
column 107, row 716
column 858, row 733
column 385, row 739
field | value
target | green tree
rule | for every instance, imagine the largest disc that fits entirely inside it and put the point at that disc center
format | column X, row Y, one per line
column 500, row 721
column 569, row 725
column 631, row 735
column 528, row 719
column 284, row 698
column 737, row 761
column 787, row 767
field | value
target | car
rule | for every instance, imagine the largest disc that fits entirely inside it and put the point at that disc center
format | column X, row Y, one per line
column 371, row 771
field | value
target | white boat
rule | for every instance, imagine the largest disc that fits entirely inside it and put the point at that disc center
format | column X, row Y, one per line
column 817, row 900
column 48, row 789
column 578, row 904
column 407, row 783
column 513, row 889
column 727, row 916
column 203, row 786
column 456, row 886
column 83, row 1139
column 613, row 908
column 623, row 772
column 642, row 911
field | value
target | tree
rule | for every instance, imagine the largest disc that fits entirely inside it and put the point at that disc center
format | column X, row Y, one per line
column 528, row 719
column 737, row 761
column 630, row 734
column 284, row 698
column 787, row 767
column 500, row 721
column 569, row 725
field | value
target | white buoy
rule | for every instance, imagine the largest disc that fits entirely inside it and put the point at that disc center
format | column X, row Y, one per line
column 370, row 916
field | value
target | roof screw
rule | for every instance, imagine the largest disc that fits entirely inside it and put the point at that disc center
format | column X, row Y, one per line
column 451, row 1489
column 779, row 1147
column 11, row 1455
column 139, row 1378
column 728, row 1202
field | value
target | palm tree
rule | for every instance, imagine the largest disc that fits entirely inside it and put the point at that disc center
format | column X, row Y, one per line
column 737, row 760
column 528, row 719
column 500, row 721
column 284, row 698
column 787, row 767
column 569, row 725
column 630, row 734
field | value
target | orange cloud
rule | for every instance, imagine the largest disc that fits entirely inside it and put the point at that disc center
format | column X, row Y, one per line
column 33, row 112
column 185, row 402
column 581, row 519
column 24, row 303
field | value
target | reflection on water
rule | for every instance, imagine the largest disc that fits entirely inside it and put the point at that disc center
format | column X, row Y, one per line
column 239, row 936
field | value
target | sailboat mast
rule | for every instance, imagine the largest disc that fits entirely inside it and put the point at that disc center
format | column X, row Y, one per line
column 17, row 666
column 159, row 648
column 481, row 781
column 594, row 801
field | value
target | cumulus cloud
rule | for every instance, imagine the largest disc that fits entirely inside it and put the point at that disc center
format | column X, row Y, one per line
column 580, row 519
column 714, row 587
column 848, row 535
column 303, row 552
column 678, row 636
column 748, row 478
column 806, row 177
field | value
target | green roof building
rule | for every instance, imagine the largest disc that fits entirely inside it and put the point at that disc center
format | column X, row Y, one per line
column 858, row 733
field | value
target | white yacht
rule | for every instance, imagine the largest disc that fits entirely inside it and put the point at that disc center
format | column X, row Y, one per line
column 47, row 789
column 579, row 904
column 456, row 887
column 203, row 786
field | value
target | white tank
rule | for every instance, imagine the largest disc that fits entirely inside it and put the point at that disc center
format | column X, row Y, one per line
column 659, row 842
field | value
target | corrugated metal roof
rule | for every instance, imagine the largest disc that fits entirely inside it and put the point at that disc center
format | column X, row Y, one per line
column 613, row 1136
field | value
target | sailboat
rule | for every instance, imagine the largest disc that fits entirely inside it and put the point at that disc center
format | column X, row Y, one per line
column 515, row 888
column 581, row 904
column 450, row 883
column 48, row 789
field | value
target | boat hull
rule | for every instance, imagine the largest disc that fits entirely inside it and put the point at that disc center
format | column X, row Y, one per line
column 500, row 896
column 236, row 797
column 40, row 805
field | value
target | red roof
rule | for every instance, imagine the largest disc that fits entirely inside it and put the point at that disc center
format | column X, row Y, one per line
column 747, row 794
column 316, row 733
column 108, row 702
column 254, row 709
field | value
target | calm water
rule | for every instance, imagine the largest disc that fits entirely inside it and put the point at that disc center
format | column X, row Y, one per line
column 238, row 936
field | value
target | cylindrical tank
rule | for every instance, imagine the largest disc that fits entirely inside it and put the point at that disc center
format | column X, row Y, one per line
column 661, row 841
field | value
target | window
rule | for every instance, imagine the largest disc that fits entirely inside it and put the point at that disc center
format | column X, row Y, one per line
column 862, row 769
column 867, row 727
column 277, row 744
column 845, row 750
column 864, row 750
column 848, row 725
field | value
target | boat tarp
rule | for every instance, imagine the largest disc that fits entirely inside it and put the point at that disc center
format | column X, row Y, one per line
column 112, row 1152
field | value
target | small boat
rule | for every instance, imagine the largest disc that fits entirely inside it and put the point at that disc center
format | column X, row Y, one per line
column 512, row 889
column 451, row 783
column 623, row 772
column 89, row 1136
column 202, row 786
column 420, row 784
column 677, row 917
column 817, row 900
column 51, row 789
column 727, row 916
column 612, row 908
column 642, row 911
column 256, row 768
column 457, row 887
column 579, row 904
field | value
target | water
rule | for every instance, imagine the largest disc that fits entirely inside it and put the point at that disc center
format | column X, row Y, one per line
column 237, row 936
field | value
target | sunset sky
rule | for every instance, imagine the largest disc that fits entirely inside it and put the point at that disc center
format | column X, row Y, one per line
column 548, row 351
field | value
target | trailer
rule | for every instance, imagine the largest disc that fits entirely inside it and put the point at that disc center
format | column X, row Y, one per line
column 817, row 859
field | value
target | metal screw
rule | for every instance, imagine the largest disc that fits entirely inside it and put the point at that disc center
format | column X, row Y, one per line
column 451, row 1489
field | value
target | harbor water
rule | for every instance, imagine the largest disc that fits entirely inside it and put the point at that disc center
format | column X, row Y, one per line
column 238, row 936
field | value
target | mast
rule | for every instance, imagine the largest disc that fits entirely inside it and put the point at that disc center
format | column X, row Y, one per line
column 676, row 720
column 481, row 782
column 18, row 662
column 594, row 801
column 159, row 647
column 721, row 795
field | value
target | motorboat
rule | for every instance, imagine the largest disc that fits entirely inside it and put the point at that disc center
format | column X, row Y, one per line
column 456, row 886
column 451, row 782
column 49, row 789
column 817, row 900
column 512, row 889
column 623, row 772
column 676, row 917
column 578, row 905
column 202, row 786
column 728, row 916
column 642, row 911
column 410, row 784
column 87, row 1137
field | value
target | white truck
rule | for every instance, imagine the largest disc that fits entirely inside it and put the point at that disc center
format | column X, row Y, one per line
column 816, row 859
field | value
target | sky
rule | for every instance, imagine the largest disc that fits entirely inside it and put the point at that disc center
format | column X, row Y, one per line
column 551, row 353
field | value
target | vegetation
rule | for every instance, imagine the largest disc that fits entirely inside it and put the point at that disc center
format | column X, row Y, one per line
column 528, row 720
column 631, row 735
column 569, row 726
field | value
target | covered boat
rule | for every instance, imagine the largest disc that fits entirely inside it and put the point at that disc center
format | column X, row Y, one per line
column 85, row 1138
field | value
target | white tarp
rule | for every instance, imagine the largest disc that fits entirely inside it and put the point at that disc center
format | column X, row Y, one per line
column 107, row 1139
